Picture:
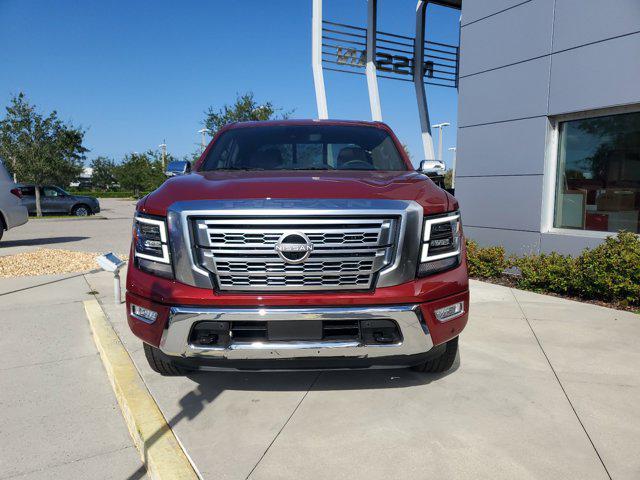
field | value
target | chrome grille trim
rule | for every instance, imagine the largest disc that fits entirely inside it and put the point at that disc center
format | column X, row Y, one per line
column 186, row 242
column 347, row 252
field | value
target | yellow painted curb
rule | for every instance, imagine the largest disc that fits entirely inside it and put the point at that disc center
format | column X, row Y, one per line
column 159, row 449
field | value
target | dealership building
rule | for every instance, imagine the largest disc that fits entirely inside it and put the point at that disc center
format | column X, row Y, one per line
column 549, row 122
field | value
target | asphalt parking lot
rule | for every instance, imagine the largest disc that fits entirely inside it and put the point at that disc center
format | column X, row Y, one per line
column 544, row 388
column 107, row 231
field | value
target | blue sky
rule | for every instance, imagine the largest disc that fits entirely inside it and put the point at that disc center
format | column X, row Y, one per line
column 136, row 72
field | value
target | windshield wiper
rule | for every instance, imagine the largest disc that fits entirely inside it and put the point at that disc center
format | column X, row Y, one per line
column 326, row 167
column 245, row 169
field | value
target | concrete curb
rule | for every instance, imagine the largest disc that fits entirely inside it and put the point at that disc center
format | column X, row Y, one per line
column 159, row 449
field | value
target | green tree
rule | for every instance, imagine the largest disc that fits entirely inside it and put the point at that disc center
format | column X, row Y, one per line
column 104, row 173
column 246, row 108
column 448, row 178
column 141, row 172
column 40, row 149
column 407, row 151
column 193, row 157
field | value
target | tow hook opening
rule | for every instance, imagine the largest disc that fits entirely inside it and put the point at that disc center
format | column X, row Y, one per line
column 380, row 332
column 210, row 334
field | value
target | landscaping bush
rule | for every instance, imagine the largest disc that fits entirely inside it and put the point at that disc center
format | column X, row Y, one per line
column 611, row 271
column 106, row 193
column 485, row 262
column 103, row 193
column 547, row 273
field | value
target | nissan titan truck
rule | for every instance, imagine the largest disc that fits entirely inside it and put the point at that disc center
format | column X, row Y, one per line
column 299, row 244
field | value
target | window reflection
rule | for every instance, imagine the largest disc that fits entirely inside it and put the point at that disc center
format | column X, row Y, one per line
column 598, row 185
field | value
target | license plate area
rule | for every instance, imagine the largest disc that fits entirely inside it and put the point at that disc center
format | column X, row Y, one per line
column 299, row 330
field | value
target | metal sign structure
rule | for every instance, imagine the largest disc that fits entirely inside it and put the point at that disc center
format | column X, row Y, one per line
column 376, row 54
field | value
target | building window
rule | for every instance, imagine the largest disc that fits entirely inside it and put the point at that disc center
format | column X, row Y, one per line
column 598, row 183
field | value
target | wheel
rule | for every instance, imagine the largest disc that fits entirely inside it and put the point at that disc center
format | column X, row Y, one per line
column 441, row 363
column 160, row 364
column 81, row 210
column 1, row 227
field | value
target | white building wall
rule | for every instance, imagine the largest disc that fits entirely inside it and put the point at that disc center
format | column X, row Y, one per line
column 523, row 62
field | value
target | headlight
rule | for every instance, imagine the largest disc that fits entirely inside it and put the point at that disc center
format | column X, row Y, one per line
column 440, row 244
column 151, row 250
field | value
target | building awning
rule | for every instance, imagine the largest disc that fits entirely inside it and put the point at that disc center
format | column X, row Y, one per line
column 448, row 3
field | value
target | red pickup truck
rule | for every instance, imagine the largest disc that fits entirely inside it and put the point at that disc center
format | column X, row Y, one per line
column 306, row 244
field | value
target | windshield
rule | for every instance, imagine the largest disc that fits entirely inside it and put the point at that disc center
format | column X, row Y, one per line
column 304, row 147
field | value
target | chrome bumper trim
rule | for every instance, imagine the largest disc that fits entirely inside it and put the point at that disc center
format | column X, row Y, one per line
column 415, row 336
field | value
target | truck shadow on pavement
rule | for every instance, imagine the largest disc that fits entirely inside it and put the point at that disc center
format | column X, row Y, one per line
column 211, row 384
column 32, row 242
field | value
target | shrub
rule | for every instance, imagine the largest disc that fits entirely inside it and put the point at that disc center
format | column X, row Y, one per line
column 485, row 262
column 611, row 271
column 547, row 273
column 107, row 193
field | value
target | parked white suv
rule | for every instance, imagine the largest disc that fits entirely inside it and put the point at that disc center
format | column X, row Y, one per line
column 12, row 212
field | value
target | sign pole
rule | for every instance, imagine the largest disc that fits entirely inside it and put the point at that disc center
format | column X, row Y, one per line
column 418, row 80
column 316, row 59
column 372, row 72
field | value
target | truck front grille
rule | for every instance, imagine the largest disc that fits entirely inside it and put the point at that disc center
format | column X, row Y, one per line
column 344, row 253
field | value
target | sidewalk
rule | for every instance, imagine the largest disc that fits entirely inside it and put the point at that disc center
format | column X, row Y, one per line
column 58, row 414
column 545, row 389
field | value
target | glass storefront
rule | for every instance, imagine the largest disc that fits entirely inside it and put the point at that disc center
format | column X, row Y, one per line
column 598, row 182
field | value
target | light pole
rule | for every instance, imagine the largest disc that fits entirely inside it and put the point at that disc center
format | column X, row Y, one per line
column 15, row 176
column 453, row 151
column 440, row 127
column 203, row 138
column 163, row 147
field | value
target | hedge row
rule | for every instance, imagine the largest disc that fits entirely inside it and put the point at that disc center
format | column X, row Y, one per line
column 107, row 194
column 609, row 272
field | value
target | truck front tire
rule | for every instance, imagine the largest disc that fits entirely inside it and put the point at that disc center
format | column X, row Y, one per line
column 441, row 363
column 161, row 365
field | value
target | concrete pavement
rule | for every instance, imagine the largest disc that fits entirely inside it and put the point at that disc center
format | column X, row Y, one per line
column 544, row 388
column 58, row 415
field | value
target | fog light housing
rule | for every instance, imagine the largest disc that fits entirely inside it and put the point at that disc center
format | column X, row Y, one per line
column 144, row 314
column 449, row 312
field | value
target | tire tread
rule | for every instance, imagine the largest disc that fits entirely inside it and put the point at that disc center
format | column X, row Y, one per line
column 160, row 365
column 442, row 363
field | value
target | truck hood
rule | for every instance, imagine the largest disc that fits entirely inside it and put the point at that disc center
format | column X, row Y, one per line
column 235, row 185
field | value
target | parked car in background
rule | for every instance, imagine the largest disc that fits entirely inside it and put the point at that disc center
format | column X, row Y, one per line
column 12, row 212
column 56, row 200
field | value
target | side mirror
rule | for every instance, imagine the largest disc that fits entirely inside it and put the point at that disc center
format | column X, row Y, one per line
column 178, row 167
column 436, row 167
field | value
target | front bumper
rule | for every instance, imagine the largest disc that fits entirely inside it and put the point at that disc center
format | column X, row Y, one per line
column 420, row 335
column 415, row 335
